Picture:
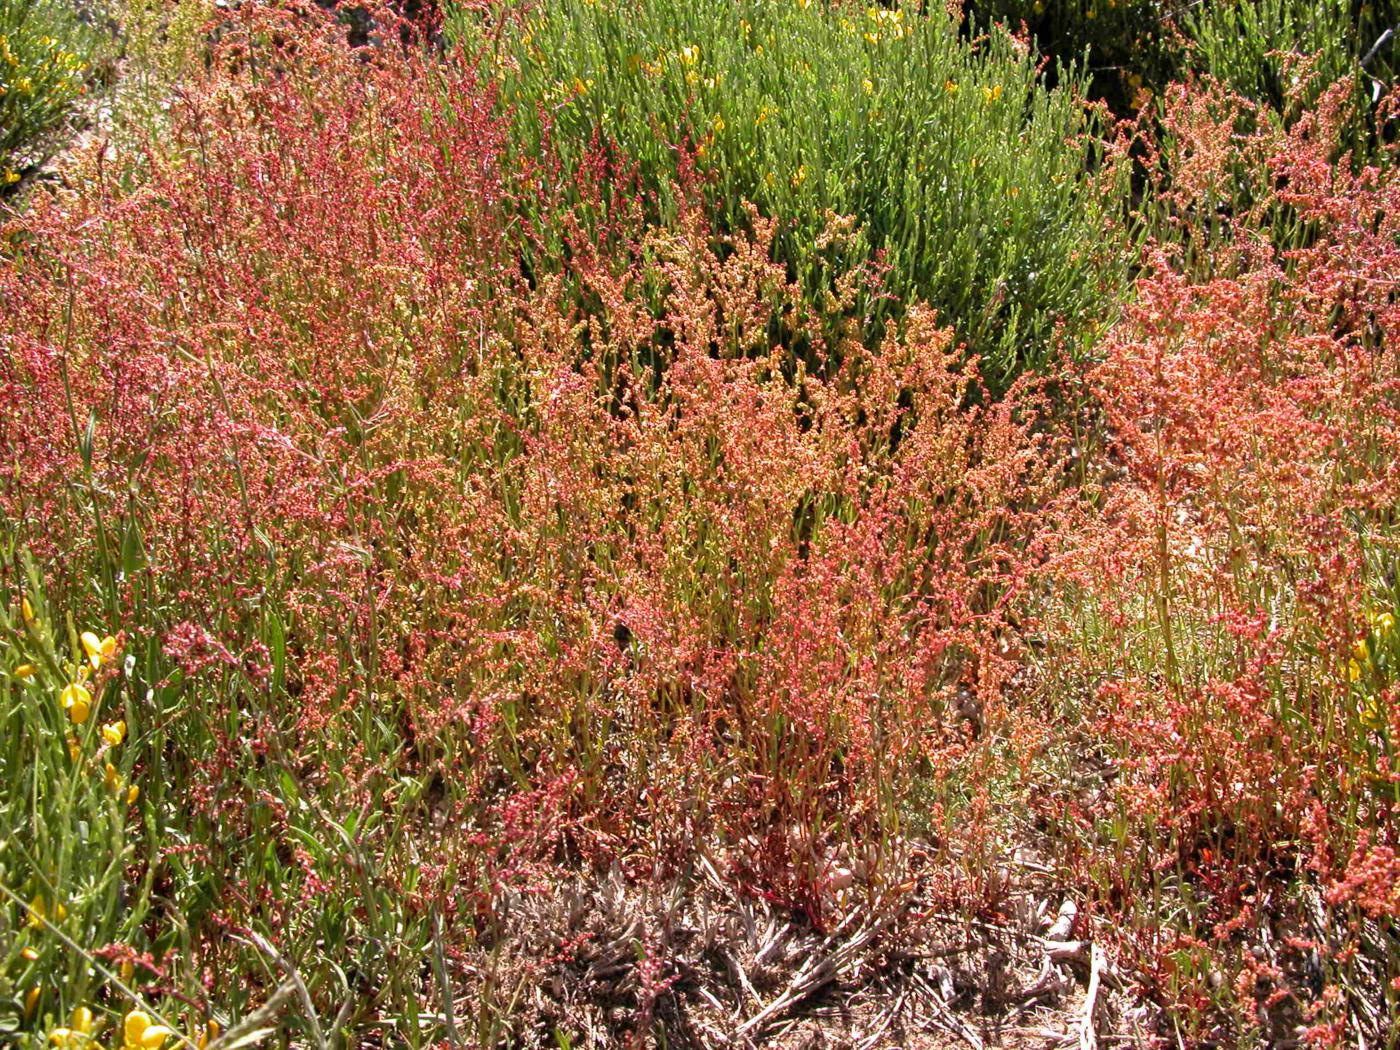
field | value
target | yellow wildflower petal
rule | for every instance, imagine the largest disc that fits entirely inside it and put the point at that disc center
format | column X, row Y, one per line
column 73, row 693
column 24, row 672
column 155, row 1036
column 82, row 1020
column 29, row 955
column 114, row 732
column 92, row 645
column 134, row 1027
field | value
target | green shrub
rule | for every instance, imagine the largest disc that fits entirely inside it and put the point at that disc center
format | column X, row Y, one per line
column 1249, row 46
column 1244, row 43
column 44, row 51
column 972, row 184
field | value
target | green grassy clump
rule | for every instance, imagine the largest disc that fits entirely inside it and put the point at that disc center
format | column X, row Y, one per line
column 1254, row 47
column 44, row 54
column 1249, row 45
column 971, row 184
column 70, row 825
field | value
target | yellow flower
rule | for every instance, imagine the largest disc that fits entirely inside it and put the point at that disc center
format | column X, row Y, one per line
column 98, row 649
column 581, row 86
column 1361, row 652
column 26, row 610
column 950, row 87
column 138, row 1033
column 991, row 94
column 77, row 701
column 1371, row 715
column 210, row 1033
column 799, row 176
column 1353, row 671
column 868, row 86
column 1385, row 623
column 39, row 913
column 79, row 1033
column 31, row 1000
column 804, row 4
column 690, row 54
column 29, row 955
column 24, row 672
column 134, row 1026
column 74, row 749
column 718, row 124
column 114, row 732
column 132, row 794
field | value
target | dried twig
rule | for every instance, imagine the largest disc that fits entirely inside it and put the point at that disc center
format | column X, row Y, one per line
column 1088, row 1030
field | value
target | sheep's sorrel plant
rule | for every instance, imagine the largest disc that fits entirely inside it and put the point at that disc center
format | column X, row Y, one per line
column 443, row 589
column 1232, row 614
column 972, row 186
column 482, row 564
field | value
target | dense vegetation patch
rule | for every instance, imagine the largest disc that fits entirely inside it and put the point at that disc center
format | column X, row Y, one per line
column 482, row 564
column 959, row 177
